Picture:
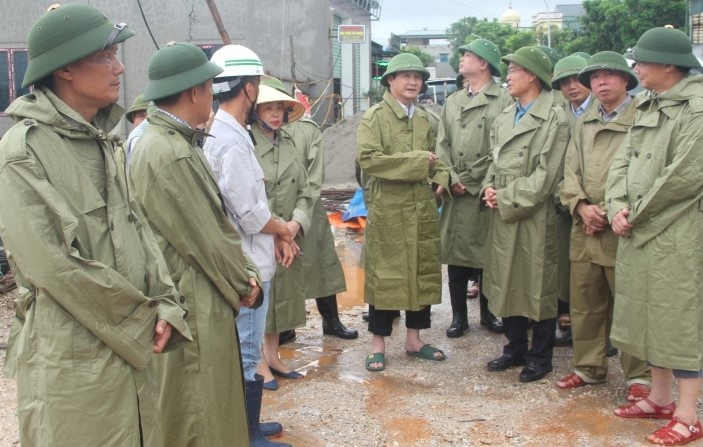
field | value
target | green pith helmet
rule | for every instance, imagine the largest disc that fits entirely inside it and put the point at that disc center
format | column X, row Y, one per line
column 551, row 54
column 66, row 34
column 274, row 83
column 486, row 50
column 583, row 54
column 534, row 61
column 666, row 46
column 139, row 105
column 567, row 67
column 175, row 68
column 404, row 62
column 607, row 60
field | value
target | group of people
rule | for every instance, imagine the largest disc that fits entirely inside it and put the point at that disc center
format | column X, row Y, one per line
column 198, row 239
column 586, row 202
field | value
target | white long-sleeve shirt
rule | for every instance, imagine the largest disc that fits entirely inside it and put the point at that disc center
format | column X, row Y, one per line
column 241, row 181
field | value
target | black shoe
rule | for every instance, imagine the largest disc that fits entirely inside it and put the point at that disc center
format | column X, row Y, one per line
column 492, row 323
column 286, row 337
column 532, row 372
column 336, row 328
column 611, row 351
column 365, row 316
column 270, row 429
column 563, row 337
column 459, row 325
column 504, row 362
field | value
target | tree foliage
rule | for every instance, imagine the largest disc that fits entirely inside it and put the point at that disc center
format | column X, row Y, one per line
column 426, row 58
column 617, row 24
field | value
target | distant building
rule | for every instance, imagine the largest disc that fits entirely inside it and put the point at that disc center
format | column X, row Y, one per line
column 563, row 16
column 510, row 17
column 433, row 42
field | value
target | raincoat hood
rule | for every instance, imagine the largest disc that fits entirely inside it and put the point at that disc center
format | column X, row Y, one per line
column 44, row 106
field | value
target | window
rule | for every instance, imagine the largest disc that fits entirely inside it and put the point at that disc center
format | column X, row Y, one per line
column 444, row 57
column 13, row 65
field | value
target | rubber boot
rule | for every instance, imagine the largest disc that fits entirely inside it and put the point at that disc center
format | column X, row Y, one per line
column 460, row 319
column 331, row 325
column 254, row 394
column 487, row 318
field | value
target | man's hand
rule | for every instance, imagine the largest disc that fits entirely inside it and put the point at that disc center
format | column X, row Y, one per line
column 249, row 300
column 620, row 225
column 283, row 252
column 594, row 218
column 433, row 158
column 295, row 248
column 490, row 197
column 293, row 227
column 458, row 189
column 162, row 333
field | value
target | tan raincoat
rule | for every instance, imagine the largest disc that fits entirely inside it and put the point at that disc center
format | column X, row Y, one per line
column 658, row 175
column 322, row 271
column 520, row 272
column 289, row 199
column 401, row 251
column 202, row 386
column 92, row 282
column 463, row 144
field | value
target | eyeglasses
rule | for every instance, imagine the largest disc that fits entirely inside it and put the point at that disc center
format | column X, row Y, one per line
column 514, row 69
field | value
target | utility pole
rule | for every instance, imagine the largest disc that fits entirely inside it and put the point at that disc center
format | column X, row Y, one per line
column 218, row 22
column 549, row 25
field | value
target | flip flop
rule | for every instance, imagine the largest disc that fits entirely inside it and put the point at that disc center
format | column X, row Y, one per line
column 427, row 352
column 376, row 357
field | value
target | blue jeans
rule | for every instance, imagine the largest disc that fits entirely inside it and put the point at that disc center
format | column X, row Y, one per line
column 250, row 326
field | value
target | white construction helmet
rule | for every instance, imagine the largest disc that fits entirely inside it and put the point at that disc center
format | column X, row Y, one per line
column 236, row 61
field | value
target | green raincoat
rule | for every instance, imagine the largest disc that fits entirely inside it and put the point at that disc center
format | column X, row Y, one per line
column 91, row 278
column 658, row 175
column 401, row 251
column 202, row 396
column 588, row 159
column 289, row 199
column 321, row 267
column 520, row 272
column 463, row 144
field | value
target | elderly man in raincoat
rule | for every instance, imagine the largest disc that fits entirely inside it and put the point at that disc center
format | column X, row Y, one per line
column 93, row 283
column 463, row 144
column 202, row 399
column 654, row 197
column 403, row 271
column 528, row 143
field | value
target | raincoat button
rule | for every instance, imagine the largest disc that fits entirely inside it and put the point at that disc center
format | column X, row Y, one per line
column 649, row 156
column 28, row 123
column 183, row 299
column 515, row 205
column 112, row 226
column 461, row 154
column 170, row 132
column 153, row 303
column 293, row 181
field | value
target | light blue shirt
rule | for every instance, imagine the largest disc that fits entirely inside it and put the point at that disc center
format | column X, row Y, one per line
column 520, row 111
column 578, row 111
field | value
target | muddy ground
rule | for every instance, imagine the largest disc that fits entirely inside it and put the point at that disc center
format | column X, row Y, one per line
column 416, row 402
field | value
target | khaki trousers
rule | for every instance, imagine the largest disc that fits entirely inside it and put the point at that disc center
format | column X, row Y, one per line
column 592, row 292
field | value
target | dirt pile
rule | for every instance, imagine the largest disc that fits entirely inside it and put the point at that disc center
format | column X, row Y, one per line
column 339, row 143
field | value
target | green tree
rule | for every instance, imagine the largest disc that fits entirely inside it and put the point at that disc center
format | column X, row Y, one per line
column 426, row 58
column 617, row 24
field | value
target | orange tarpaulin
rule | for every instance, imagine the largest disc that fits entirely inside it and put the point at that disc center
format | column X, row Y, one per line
column 355, row 223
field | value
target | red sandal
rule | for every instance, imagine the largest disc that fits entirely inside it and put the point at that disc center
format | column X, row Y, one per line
column 668, row 436
column 638, row 391
column 632, row 410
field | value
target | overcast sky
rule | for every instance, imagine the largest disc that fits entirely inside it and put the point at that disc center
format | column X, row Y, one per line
column 399, row 16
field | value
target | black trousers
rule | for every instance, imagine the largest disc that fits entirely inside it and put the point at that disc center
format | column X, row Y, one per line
column 542, row 349
column 381, row 321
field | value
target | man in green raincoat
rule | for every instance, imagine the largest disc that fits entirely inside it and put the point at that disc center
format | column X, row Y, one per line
column 202, row 399
column 463, row 144
column 401, row 252
column 654, row 197
column 528, row 142
column 95, row 298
